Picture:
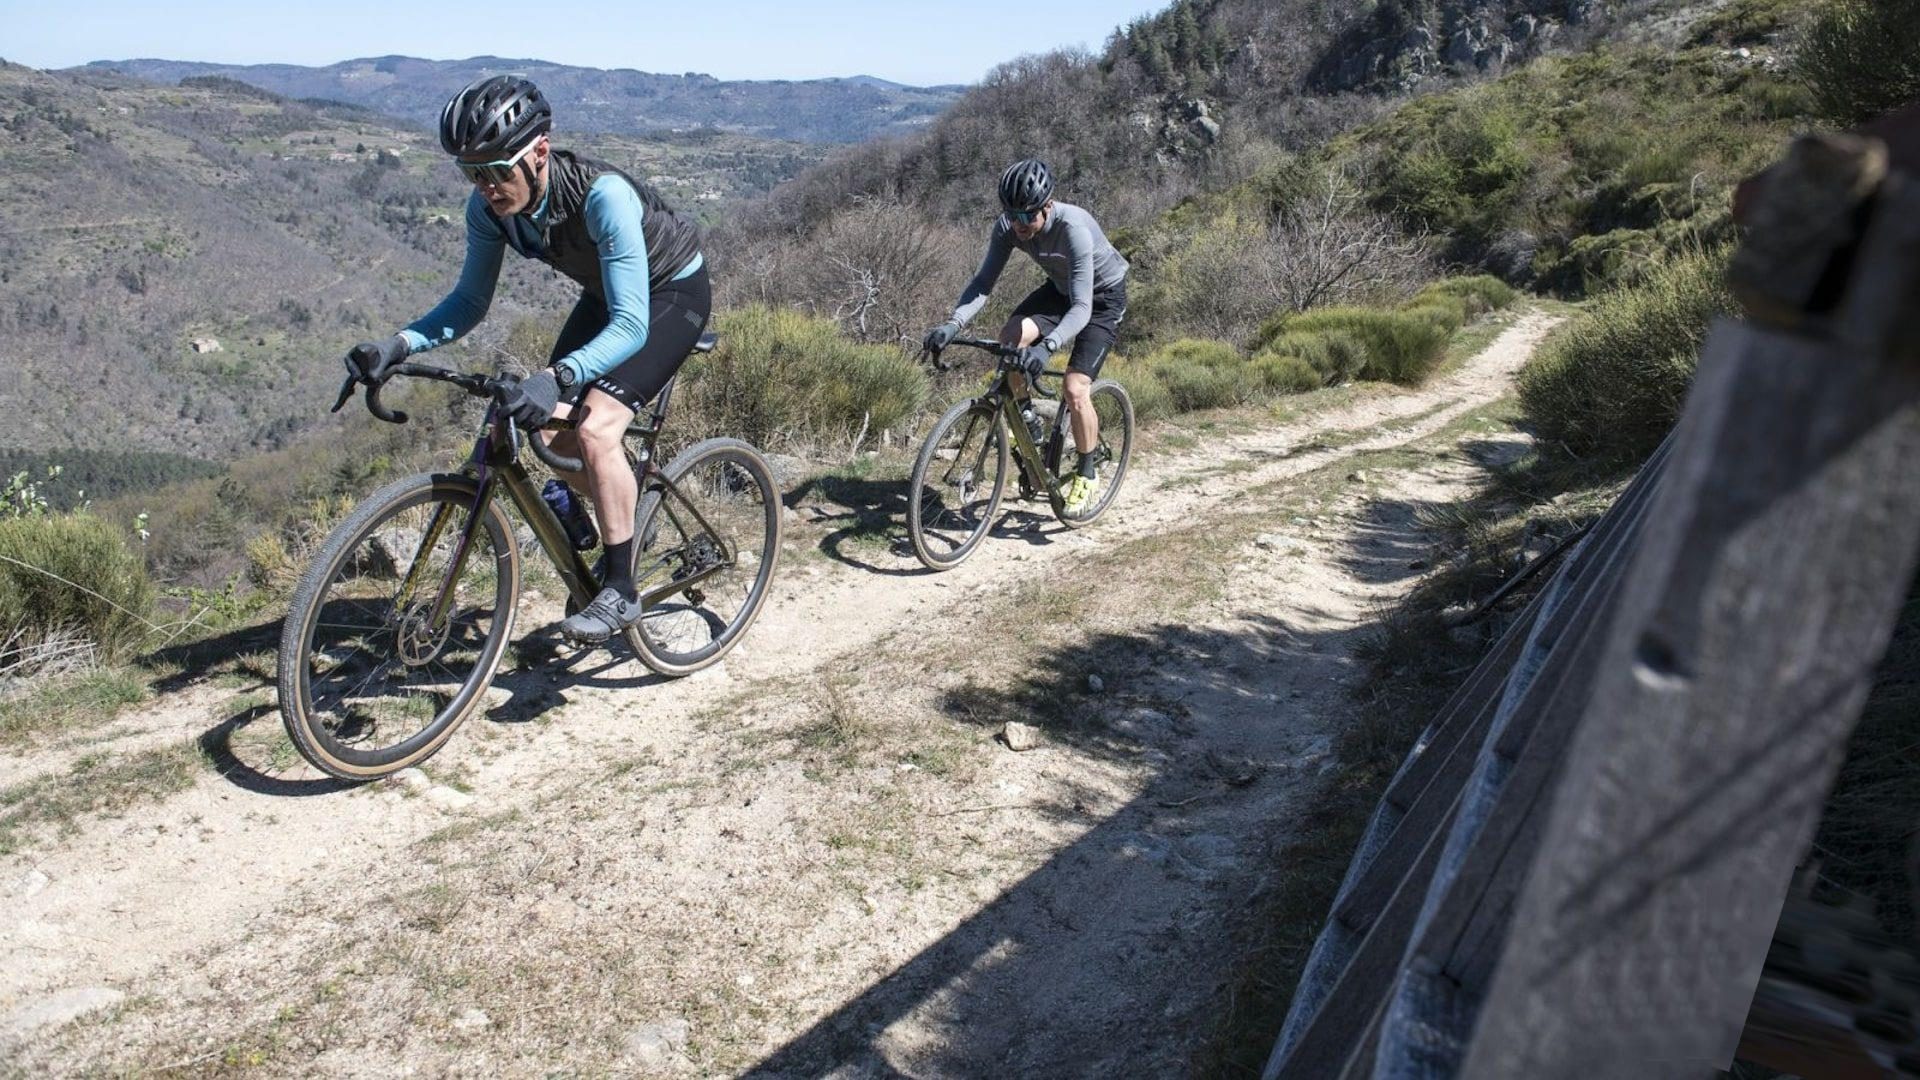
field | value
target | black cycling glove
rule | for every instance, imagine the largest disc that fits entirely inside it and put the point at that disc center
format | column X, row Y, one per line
column 530, row 402
column 942, row 336
column 1033, row 360
column 370, row 362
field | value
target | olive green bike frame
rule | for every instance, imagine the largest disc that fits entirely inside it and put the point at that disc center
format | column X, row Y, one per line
column 494, row 465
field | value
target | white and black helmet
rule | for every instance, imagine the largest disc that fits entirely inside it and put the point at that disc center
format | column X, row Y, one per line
column 1026, row 186
column 494, row 117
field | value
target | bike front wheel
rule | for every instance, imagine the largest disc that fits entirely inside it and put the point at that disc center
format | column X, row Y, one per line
column 1113, row 449
column 707, row 543
column 957, row 484
column 398, row 626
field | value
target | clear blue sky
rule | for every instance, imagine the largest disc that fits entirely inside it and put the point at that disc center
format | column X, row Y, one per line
column 906, row 41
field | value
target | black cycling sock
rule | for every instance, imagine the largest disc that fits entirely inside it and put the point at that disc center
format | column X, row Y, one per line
column 620, row 569
column 1088, row 463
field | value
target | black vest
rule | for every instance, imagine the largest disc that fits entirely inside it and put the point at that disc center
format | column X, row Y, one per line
column 672, row 241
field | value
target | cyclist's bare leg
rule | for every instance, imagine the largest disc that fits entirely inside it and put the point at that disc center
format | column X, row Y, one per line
column 608, row 479
column 1079, row 389
column 1080, row 415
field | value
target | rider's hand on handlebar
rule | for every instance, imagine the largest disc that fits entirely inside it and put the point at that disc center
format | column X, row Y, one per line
column 531, row 401
column 1033, row 360
column 941, row 336
column 370, row 362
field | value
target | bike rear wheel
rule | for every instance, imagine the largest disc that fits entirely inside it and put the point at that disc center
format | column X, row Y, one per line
column 711, row 541
column 1113, row 449
column 370, row 680
column 957, row 483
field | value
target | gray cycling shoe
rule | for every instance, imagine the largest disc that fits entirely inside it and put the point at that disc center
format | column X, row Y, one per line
column 607, row 615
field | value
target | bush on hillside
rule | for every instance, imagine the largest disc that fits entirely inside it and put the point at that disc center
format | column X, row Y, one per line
column 1481, row 293
column 1334, row 355
column 781, row 378
column 1203, row 374
column 1286, row 373
column 1861, row 58
column 1151, row 398
column 1612, row 382
column 1400, row 347
column 69, row 578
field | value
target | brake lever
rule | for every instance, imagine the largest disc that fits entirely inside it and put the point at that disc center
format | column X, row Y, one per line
column 346, row 394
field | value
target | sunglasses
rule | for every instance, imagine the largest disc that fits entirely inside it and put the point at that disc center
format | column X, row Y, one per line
column 1025, row 217
column 493, row 173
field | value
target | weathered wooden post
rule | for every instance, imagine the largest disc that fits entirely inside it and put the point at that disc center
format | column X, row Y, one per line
column 1756, row 611
column 1596, row 894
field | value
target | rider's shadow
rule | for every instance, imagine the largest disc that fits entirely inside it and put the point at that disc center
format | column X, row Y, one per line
column 871, row 515
column 1031, row 527
column 548, row 666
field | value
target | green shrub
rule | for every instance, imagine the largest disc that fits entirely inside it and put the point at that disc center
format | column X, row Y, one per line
column 1480, row 293
column 1861, row 58
column 1194, row 386
column 1151, row 398
column 1745, row 22
column 1612, row 382
column 1466, row 168
column 1400, row 348
column 1195, row 352
column 1335, row 355
column 782, row 378
column 1286, row 373
column 1199, row 373
column 71, row 574
column 1446, row 312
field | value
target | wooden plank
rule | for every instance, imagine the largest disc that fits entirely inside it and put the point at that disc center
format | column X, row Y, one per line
column 1757, row 609
column 1431, row 1012
column 1328, row 1039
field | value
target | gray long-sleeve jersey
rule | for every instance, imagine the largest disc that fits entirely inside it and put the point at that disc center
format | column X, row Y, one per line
column 1071, row 249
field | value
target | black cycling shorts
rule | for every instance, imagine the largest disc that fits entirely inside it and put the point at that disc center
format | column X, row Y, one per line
column 675, row 318
column 1046, row 307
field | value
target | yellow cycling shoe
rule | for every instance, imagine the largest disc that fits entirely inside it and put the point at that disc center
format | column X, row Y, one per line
column 1079, row 494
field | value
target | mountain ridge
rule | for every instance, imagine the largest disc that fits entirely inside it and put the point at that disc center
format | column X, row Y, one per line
column 625, row 101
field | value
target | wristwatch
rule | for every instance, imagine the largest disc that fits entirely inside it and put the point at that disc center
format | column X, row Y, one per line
column 1050, row 345
column 564, row 376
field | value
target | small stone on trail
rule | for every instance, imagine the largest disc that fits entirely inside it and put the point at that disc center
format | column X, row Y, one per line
column 449, row 798
column 1359, row 475
column 658, row 1042
column 472, row 1020
column 1020, row 736
column 31, row 883
column 1095, row 684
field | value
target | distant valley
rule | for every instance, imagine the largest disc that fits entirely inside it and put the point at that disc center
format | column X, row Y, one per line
column 183, row 265
column 619, row 101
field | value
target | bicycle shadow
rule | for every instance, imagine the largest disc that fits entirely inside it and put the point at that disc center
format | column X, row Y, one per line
column 547, row 666
column 873, row 513
column 252, row 768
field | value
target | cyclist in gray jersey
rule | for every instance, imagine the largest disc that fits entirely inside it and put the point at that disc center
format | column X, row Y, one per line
column 1084, row 299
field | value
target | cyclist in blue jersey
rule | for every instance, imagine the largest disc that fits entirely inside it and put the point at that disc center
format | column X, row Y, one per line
column 644, row 301
column 1083, row 299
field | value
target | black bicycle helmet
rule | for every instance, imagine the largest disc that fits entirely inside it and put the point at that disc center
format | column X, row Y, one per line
column 1026, row 186
column 493, row 117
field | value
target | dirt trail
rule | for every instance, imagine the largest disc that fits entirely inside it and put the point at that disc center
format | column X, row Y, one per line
column 812, row 855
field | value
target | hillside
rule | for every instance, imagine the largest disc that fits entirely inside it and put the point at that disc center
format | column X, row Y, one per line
column 1559, row 145
column 273, row 232
column 622, row 101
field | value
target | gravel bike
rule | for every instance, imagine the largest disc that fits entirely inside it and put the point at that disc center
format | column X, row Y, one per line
column 961, row 472
column 399, row 624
